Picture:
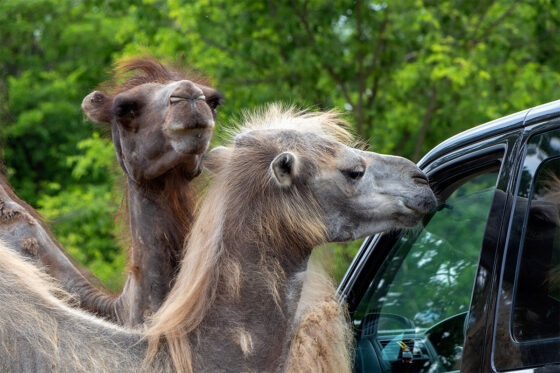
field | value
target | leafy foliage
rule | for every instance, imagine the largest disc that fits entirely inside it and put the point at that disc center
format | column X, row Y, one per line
column 409, row 73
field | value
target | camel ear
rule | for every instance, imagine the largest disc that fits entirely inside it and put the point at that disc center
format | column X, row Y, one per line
column 97, row 107
column 215, row 158
column 284, row 168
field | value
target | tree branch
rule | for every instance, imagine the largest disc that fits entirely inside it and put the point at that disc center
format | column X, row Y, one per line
column 482, row 17
column 361, row 79
column 426, row 123
column 374, row 90
column 302, row 15
column 230, row 51
column 338, row 80
column 378, row 47
column 376, row 54
column 364, row 74
column 493, row 25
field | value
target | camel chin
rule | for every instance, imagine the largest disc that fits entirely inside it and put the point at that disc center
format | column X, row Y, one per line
column 191, row 142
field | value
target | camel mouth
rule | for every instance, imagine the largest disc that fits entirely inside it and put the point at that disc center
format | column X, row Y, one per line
column 191, row 141
column 422, row 206
column 414, row 210
column 190, row 133
column 411, row 214
column 179, row 129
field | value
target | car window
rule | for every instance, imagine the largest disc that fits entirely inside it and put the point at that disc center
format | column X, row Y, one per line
column 413, row 314
column 536, row 311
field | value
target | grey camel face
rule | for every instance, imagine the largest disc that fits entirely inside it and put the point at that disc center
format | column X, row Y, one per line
column 360, row 193
column 157, row 126
column 363, row 193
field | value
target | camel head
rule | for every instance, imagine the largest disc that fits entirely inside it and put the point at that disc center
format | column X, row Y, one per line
column 358, row 193
column 362, row 193
column 160, row 120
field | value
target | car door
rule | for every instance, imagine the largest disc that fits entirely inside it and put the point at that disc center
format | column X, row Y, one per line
column 409, row 292
column 525, row 333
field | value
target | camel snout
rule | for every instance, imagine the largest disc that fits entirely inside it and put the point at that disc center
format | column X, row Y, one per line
column 188, row 91
column 422, row 202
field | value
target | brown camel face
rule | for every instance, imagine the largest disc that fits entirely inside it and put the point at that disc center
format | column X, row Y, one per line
column 157, row 127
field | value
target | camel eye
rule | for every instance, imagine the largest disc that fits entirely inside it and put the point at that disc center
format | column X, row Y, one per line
column 125, row 110
column 353, row 174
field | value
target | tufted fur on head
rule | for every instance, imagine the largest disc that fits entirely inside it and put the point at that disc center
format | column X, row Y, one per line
column 329, row 124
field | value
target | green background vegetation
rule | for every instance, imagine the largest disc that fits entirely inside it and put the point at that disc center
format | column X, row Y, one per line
column 407, row 73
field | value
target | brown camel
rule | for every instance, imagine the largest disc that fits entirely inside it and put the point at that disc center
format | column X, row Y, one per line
column 286, row 184
column 161, row 124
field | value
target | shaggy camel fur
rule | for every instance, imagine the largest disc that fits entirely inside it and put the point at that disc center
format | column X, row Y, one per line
column 285, row 185
column 161, row 123
column 322, row 333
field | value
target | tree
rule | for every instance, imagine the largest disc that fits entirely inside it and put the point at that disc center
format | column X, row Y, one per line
column 407, row 73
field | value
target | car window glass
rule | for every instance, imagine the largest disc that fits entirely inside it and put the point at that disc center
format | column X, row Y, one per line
column 412, row 316
column 536, row 311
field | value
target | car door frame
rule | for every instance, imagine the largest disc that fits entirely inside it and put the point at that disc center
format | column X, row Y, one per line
column 501, row 260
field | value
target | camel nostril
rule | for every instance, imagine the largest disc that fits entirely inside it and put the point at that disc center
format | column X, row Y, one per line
column 420, row 178
column 97, row 98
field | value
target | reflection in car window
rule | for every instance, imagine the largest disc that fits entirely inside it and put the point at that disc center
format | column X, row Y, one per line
column 537, row 292
column 412, row 316
column 526, row 326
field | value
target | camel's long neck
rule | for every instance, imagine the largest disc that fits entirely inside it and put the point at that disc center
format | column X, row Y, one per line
column 255, row 304
column 158, row 232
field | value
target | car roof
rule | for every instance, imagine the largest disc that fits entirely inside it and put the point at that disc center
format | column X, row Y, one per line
column 493, row 128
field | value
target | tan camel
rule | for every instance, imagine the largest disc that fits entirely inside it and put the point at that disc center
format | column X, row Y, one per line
column 161, row 123
column 286, row 184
